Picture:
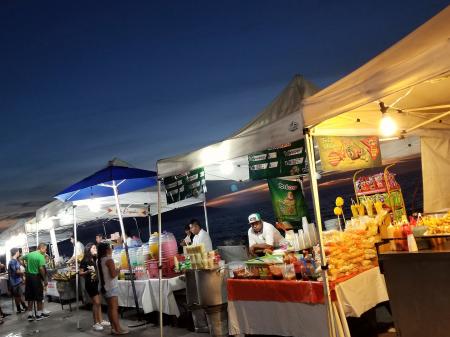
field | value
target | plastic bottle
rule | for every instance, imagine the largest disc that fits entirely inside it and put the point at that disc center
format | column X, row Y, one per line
column 390, row 234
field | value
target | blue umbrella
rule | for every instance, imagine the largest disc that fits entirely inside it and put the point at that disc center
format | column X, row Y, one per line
column 115, row 179
column 100, row 184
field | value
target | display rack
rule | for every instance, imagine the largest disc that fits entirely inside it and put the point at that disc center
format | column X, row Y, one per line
column 391, row 196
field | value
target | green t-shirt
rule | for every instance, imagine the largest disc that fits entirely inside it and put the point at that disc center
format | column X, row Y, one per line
column 35, row 260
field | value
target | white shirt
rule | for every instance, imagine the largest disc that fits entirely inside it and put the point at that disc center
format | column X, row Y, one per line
column 203, row 237
column 78, row 249
column 269, row 235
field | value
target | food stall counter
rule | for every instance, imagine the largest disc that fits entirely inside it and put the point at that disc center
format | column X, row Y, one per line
column 418, row 287
column 299, row 305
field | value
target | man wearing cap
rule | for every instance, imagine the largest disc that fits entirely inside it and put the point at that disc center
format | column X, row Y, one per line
column 262, row 235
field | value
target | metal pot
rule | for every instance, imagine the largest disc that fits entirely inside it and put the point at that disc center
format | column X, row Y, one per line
column 211, row 286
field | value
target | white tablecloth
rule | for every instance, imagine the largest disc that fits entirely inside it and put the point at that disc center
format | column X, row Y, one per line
column 148, row 294
column 354, row 297
column 362, row 292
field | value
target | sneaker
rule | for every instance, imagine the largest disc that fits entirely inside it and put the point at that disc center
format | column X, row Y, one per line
column 30, row 318
column 39, row 317
column 105, row 323
column 45, row 315
column 97, row 327
column 20, row 311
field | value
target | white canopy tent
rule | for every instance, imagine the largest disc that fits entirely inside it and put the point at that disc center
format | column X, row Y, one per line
column 281, row 122
column 58, row 214
column 409, row 83
column 411, row 80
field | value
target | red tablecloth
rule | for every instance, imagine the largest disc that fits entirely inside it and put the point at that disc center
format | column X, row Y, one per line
column 277, row 290
column 281, row 291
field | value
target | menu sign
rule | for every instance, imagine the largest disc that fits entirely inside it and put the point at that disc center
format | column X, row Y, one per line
column 184, row 186
column 283, row 161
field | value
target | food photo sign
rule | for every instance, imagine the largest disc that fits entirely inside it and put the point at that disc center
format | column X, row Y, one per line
column 288, row 202
column 349, row 153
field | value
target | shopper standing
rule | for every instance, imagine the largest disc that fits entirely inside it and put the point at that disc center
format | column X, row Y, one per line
column 109, row 286
column 88, row 270
column 35, row 281
column 15, row 278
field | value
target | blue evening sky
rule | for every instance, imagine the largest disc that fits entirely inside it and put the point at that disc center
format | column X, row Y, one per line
column 82, row 82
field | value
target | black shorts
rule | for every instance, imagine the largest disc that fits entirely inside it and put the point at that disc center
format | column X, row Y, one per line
column 34, row 289
column 92, row 290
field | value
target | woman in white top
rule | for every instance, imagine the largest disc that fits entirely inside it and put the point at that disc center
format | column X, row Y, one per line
column 109, row 285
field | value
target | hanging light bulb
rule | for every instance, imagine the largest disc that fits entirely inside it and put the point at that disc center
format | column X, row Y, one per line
column 388, row 127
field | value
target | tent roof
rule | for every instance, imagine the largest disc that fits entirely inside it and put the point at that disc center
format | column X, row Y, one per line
column 59, row 214
column 412, row 78
column 280, row 122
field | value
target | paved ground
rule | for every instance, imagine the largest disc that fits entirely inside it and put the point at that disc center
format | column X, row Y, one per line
column 64, row 324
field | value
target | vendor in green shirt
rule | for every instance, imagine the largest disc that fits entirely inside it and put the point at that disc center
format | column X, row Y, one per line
column 36, row 279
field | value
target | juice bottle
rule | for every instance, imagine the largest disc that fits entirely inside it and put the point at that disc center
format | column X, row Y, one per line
column 123, row 260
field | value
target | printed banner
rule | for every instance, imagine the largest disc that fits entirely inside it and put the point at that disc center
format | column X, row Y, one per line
column 349, row 153
column 283, row 161
column 288, row 202
column 184, row 186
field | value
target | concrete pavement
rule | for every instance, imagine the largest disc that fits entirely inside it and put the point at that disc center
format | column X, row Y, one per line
column 63, row 323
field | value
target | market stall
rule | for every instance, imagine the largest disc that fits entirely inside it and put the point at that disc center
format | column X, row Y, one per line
column 216, row 158
column 400, row 94
column 252, row 304
column 278, row 124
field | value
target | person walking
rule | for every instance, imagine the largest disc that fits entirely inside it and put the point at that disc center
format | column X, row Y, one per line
column 109, row 286
column 35, row 281
column 15, row 278
column 88, row 270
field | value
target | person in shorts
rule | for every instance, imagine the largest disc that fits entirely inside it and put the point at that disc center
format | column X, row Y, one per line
column 108, row 274
column 88, row 270
column 35, row 280
column 15, row 278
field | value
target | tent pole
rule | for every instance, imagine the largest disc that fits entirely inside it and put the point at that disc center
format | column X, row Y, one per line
column 206, row 213
column 77, row 277
column 149, row 222
column 315, row 197
column 122, row 229
column 37, row 234
column 161, row 332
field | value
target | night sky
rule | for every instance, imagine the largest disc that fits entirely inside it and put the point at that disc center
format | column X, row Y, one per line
column 82, row 82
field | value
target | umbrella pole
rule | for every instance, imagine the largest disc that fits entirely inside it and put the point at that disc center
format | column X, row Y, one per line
column 161, row 329
column 122, row 229
column 149, row 222
column 76, row 264
column 315, row 197
column 206, row 214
